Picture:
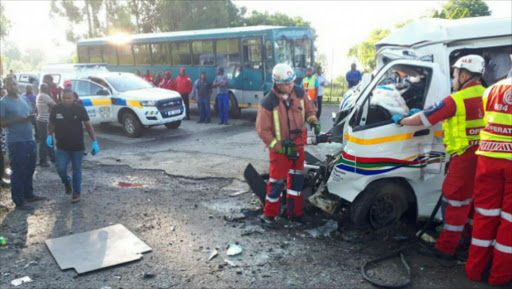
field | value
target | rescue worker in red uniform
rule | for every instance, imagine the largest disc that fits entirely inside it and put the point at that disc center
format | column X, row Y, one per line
column 493, row 190
column 282, row 114
column 462, row 113
column 184, row 87
column 168, row 82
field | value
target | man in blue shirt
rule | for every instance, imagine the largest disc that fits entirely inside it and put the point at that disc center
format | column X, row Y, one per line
column 221, row 82
column 353, row 76
column 16, row 118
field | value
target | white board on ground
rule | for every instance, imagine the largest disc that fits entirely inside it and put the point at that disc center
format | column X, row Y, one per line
column 97, row 249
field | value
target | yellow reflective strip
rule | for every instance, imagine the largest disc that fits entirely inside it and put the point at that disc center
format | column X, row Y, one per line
column 273, row 143
column 192, row 100
column 243, row 105
column 255, row 105
column 303, row 110
column 309, row 118
column 101, row 101
column 484, row 135
column 475, row 123
column 133, row 103
column 277, row 125
column 438, row 133
column 378, row 140
column 498, row 118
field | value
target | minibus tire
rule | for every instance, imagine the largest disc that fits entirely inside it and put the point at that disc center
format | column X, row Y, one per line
column 173, row 125
column 234, row 111
column 131, row 124
column 381, row 204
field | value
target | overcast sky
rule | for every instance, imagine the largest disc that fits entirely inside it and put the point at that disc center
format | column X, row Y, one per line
column 339, row 24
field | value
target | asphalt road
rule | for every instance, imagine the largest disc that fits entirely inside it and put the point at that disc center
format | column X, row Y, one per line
column 189, row 198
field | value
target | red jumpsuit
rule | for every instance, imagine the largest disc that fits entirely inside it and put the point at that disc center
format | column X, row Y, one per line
column 278, row 120
column 168, row 84
column 458, row 185
column 492, row 234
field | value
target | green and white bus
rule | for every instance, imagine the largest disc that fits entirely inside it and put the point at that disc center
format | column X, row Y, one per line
column 247, row 54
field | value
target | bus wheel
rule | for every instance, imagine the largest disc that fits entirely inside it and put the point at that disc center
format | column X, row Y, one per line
column 380, row 205
column 234, row 111
column 131, row 124
column 173, row 125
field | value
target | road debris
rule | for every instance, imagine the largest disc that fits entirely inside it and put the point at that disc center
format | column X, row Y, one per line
column 146, row 275
column 129, row 185
column 3, row 241
column 230, row 263
column 212, row 254
column 234, row 250
column 427, row 238
column 22, row 280
column 252, row 230
column 238, row 193
column 29, row 264
column 325, row 230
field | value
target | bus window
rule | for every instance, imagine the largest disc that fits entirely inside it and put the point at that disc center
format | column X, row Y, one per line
column 228, row 53
column 109, row 55
column 270, row 54
column 252, row 53
column 95, row 55
column 284, row 51
column 302, row 53
column 142, row 54
column 125, row 54
column 83, row 54
column 180, row 53
column 202, row 53
column 161, row 54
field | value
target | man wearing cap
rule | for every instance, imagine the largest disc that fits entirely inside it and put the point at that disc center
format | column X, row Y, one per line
column 221, row 82
column 44, row 104
column 462, row 113
column 311, row 85
column 184, row 87
column 322, row 81
column 168, row 82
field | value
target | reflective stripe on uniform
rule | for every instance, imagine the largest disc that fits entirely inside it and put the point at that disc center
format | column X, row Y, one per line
column 272, row 200
column 458, row 203
column 482, row 243
column 309, row 118
column 296, row 172
column 275, row 181
column 488, row 212
column 503, row 248
column 277, row 125
column 453, row 228
column 293, row 193
column 506, row 216
column 303, row 110
column 273, row 143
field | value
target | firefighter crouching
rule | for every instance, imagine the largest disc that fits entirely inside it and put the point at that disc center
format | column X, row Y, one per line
column 282, row 114
column 492, row 234
column 462, row 113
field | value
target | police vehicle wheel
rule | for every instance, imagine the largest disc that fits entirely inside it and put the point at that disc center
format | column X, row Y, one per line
column 380, row 205
column 234, row 111
column 131, row 124
column 173, row 125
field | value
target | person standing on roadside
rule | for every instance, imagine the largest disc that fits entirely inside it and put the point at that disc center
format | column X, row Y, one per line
column 148, row 77
column 353, row 76
column 16, row 117
column 184, row 87
column 203, row 91
column 54, row 90
column 322, row 81
column 168, row 82
column 221, row 82
column 67, row 120
column 32, row 99
column 44, row 105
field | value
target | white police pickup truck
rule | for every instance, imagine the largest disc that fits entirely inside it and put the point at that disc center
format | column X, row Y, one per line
column 129, row 100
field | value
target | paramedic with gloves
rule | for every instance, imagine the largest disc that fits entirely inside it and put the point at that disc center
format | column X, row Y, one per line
column 462, row 113
column 282, row 114
column 493, row 190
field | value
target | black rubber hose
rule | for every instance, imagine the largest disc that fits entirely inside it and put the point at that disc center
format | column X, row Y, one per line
column 399, row 253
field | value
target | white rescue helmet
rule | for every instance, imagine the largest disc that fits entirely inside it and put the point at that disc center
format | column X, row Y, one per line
column 283, row 73
column 472, row 63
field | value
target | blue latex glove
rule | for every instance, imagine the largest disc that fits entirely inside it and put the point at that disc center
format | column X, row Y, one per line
column 414, row 111
column 49, row 141
column 95, row 148
column 397, row 118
